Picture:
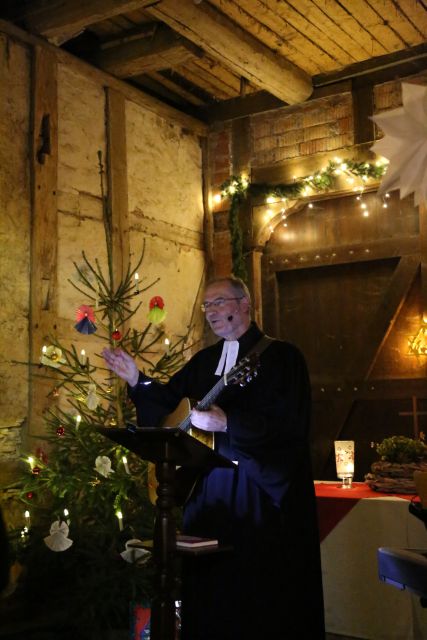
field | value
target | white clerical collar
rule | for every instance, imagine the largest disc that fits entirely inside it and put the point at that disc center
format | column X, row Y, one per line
column 228, row 359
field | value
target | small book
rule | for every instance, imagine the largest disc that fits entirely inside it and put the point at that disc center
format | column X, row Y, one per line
column 191, row 542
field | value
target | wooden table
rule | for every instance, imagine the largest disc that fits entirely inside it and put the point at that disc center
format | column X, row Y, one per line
column 354, row 523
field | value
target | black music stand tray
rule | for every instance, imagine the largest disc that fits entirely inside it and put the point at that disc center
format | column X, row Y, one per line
column 168, row 448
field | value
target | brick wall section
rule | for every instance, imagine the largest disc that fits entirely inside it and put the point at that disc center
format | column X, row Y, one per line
column 387, row 96
column 318, row 126
column 220, row 154
column 222, row 254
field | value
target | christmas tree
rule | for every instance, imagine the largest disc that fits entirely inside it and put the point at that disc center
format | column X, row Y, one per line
column 83, row 497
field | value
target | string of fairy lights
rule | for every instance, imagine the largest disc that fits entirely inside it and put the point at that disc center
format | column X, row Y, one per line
column 357, row 174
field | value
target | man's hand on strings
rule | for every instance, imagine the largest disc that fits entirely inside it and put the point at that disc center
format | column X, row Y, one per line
column 212, row 420
column 122, row 364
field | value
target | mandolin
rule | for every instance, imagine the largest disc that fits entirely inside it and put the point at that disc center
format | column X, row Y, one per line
column 241, row 374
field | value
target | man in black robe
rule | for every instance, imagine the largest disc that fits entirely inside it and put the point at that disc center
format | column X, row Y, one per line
column 268, row 587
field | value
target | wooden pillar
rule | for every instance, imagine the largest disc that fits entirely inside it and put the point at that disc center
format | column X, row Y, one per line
column 44, row 231
column 117, row 181
column 208, row 225
column 241, row 163
column 423, row 254
column 363, row 109
column 253, row 265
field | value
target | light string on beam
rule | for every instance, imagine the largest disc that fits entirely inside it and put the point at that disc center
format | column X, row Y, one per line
column 237, row 188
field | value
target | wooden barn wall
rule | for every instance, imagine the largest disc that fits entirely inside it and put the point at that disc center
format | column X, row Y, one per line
column 15, row 244
column 345, row 288
column 55, row 117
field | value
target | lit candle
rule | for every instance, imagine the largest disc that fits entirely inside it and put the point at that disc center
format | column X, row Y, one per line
column 119, row 515
column 66, row 514
column 27, row 519
column 44, row 349
column 78, row 419
column 31, row 461
column 136, row 276
column 83, row 358
column 125, row 464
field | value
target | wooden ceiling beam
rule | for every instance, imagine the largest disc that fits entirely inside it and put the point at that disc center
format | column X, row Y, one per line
column 60, row 20
column 165, row 49
column 222, row 39
column 137, row 96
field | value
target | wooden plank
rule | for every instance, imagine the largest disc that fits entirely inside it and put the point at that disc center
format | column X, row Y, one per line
column 97, row 75
column 333, row 255
column 416, row 13
column 379, row 69
column 264, row 23
column 331, row 27
column 374, row 23
column 398, row 22
column 378, row 389
column 117, row 182
column 270, row 303
column 261, row 102
column 423, row 252
column 44, row 236
column 198, row 77
column 224, row 75
column 244, row 54
column 208, row 223
column 164, row 86
column 62, row 19
column 385, row 317
column 253, row 265
column 296, row 13
column 163, row 50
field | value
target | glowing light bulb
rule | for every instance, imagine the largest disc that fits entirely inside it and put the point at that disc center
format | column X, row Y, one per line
column 125, row 464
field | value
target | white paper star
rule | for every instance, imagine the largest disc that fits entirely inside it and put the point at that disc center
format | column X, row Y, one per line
column 405, row 144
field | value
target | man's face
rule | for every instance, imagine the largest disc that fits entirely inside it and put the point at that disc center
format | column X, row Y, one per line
column 227, row 313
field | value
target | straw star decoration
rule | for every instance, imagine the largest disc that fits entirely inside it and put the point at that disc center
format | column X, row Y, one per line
column 405, row 144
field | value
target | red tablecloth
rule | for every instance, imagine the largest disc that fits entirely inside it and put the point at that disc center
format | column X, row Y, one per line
column 333, row 503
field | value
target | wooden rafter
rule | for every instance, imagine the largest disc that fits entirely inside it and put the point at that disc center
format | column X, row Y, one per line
column 237, row 49
column 61, row 19
column 163, row 49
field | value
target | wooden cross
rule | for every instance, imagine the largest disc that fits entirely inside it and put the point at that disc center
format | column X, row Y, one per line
column 415, row 413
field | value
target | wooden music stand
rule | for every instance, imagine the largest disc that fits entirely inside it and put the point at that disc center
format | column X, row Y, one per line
column 167, row 447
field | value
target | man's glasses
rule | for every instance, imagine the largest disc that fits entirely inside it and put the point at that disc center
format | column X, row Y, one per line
column 218, row 303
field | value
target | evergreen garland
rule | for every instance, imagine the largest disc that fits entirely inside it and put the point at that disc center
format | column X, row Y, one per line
column 237, row 188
